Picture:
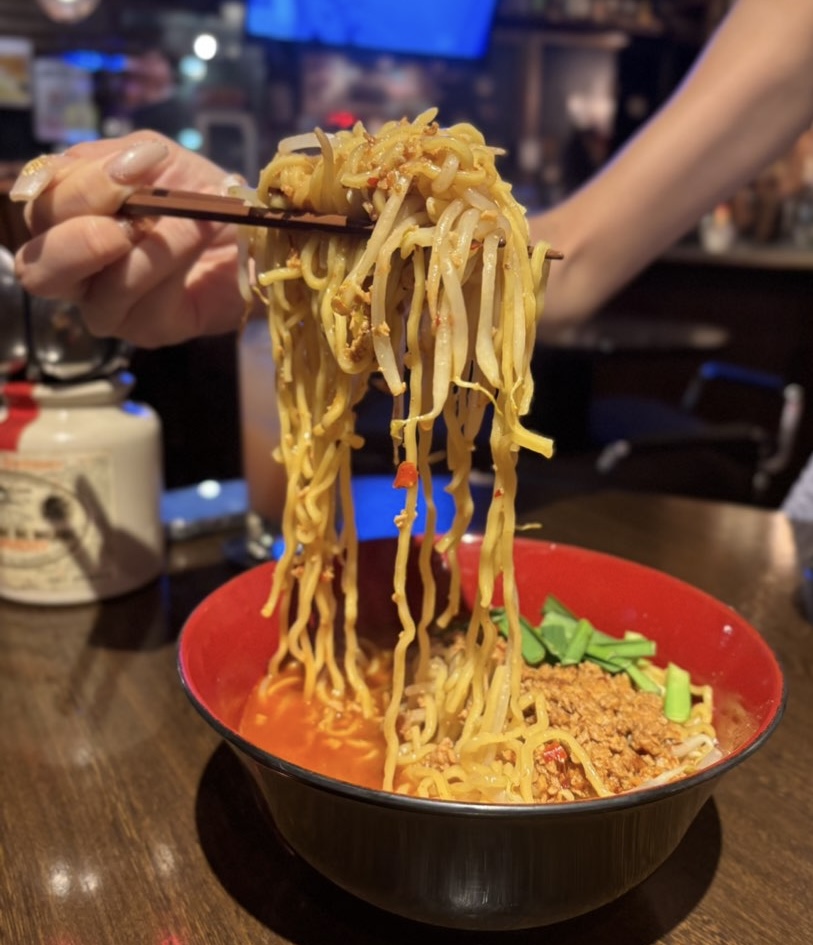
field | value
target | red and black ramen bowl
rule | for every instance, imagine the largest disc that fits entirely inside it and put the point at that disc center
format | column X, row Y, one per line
column 479, row 866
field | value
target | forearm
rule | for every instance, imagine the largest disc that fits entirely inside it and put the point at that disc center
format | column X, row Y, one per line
column 744, row 104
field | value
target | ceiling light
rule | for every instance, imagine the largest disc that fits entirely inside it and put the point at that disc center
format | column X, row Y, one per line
column 205, row 46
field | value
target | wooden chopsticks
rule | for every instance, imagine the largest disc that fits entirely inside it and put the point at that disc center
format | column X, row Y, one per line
column 158, row 201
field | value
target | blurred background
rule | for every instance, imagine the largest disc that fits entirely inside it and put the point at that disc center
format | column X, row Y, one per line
column 560, row 84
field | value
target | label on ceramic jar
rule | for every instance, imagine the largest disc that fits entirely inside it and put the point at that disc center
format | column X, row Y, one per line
column 54, row 521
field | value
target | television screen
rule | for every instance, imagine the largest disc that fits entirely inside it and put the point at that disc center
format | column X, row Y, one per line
column 457, row 29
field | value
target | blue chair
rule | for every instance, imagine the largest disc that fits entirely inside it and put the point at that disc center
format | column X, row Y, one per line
column 676, row 447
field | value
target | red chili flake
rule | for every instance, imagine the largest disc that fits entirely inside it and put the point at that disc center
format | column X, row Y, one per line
column 406, row 476
column 556, row 753
column 498, row 493
column 372, row 182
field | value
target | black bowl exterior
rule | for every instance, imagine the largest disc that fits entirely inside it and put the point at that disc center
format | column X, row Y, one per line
column 485, row 869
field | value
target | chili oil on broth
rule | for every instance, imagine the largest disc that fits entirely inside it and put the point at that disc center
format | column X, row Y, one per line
column 328, row 733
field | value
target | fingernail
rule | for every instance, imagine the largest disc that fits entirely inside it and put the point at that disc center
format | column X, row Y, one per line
column 136, row 160
column 33, row 179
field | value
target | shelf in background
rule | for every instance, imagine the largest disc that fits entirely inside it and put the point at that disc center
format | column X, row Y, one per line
column 744, row 255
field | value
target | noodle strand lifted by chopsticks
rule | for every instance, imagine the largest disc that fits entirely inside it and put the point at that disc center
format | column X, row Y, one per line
column 441, row 300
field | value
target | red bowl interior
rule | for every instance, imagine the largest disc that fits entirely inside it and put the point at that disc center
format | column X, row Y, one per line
column 226, row 642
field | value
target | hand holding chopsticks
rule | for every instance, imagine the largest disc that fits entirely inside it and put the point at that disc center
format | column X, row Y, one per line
column 147, row 285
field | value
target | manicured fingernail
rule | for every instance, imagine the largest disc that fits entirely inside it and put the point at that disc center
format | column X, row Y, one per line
column 137, row 160
column 34, row 178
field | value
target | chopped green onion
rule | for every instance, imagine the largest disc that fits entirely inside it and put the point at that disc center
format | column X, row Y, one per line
column 561, row 637
column 533, row 650
column 555, row 632
column 609, row 666
column 622, row 649
column 577, row 645
column 677, row 699
column 644, row 682
column 600, row 637
column 552, row 605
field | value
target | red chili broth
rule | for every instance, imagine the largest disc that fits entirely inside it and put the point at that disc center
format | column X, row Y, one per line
column 288, row 726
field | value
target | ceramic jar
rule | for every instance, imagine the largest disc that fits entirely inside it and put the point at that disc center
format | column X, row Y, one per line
column 80, row 491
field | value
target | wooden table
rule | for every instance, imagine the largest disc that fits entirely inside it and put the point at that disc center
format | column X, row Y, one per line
column 123, row 818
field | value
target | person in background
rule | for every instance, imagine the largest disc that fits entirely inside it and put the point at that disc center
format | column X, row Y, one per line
column 152, row 98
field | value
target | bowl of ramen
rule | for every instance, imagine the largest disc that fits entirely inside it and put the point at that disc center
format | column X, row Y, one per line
column 634, row 694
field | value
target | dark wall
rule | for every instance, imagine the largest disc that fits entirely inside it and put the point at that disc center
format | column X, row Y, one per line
column 193, row 387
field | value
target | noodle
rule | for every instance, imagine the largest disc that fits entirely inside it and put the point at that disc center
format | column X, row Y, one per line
column 442, row 301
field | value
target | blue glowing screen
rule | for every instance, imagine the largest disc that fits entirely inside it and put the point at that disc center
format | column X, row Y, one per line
column 444, row 28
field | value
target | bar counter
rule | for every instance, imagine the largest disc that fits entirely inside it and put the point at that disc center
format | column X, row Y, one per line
column 124, row 819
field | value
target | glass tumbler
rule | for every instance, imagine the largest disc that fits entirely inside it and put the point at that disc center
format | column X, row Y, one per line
column 260, row 435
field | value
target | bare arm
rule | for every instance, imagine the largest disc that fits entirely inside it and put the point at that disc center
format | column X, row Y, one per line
column 747, row 99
